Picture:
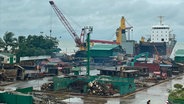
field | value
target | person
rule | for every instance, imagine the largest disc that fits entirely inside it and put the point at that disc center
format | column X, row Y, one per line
column 167, row 102
column 148, row 102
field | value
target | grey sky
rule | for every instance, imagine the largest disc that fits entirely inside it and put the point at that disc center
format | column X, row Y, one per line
column 24, row 17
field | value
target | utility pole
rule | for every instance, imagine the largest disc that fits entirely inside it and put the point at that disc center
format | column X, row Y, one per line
column 88, row 54
column 90, row 29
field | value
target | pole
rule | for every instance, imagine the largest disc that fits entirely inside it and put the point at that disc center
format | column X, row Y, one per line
column 88, row 54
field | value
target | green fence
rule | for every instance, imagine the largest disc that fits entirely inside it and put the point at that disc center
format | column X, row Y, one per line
column 123, row 85
column 25, row 90
column 10, row 98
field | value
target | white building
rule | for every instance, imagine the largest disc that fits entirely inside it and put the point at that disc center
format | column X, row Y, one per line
column 7, row 58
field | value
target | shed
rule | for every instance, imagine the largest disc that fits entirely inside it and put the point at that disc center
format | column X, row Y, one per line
column 179, row 56
column 100, row 50
column 103, row 52
column 7, row 58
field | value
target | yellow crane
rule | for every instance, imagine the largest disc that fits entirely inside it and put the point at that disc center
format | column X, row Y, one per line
column 121, row 31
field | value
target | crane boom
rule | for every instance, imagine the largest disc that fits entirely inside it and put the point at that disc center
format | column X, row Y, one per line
column 66, row 24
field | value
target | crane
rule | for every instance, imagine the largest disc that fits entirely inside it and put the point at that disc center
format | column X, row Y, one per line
column 145, row 54
column 121, row 31
column 157, row 58
column 79, row 41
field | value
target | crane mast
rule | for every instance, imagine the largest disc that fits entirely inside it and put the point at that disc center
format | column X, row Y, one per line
column 121, row 31
column 67, row 25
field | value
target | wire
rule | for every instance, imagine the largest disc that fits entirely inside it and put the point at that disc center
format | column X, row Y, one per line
column 51, row 23
column 128, row 23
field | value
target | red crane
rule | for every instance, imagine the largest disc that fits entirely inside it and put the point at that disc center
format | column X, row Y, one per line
column 69, row 28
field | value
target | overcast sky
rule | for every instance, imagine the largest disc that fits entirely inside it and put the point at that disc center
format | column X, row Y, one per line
column 25, row 17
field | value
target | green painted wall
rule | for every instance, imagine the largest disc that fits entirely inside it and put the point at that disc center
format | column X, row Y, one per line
column 179, row 59
column 101, row 53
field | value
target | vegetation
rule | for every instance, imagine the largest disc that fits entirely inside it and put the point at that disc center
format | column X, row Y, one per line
column 178, row 93
column 8, row 41
column 32, row 45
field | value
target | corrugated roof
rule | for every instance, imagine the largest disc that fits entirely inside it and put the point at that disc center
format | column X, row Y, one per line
column 7, row 54
column 103, row 47
column 54, row 60
column 52, row 63
column 179, row 45
column 179, row 52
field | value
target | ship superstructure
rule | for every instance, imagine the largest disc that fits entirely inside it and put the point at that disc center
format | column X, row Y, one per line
column 161, row 33
column 161, row 40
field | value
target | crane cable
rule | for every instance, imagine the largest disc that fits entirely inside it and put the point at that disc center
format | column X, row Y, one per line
column 51, row 14
column 70, row 19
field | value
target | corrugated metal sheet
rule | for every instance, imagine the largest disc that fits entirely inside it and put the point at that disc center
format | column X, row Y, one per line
column 13, row 98
column 54, row 60
column 179, row 45
column 179, row 52
column 7, row 54
column 103, row 47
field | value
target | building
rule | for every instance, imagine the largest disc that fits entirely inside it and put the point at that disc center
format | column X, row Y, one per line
column 129, row 46
column 179, row 56
column 7, row 58
column 105, row 53
column 178, row 46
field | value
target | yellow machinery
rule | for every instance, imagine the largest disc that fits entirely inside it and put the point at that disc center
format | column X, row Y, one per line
column 120, row 31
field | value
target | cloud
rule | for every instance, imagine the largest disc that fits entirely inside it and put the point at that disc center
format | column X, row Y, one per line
column 24, row 17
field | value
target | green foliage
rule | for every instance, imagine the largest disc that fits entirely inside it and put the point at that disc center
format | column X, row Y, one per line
column 178, row 93
column 178, row 86
column 8, row 41
column 36, row 45
column 2, row 44
column 32, row 45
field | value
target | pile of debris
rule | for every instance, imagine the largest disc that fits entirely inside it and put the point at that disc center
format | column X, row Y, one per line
column 42, row 98
column 141, row 83
column 47, row 86
column 8, row 75
column 77, row 86
column 100, row 89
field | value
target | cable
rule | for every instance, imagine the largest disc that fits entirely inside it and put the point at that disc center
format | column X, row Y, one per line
column 51, row 15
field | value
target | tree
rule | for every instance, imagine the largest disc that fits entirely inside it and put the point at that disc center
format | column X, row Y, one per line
column 177, row 94
column 178, row 86
column 32, row 45
column 2, row 44
column 35, row 45
column 9, row 41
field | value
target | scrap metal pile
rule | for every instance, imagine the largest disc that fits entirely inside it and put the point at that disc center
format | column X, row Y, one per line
column 100, row 89
column 44, row 98
column 8, row 75
column 77, row 86
column 47, row 86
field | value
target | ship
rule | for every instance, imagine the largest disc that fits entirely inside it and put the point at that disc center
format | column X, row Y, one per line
column 161, row 41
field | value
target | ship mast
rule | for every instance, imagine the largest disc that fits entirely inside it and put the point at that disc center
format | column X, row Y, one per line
column 161, row 19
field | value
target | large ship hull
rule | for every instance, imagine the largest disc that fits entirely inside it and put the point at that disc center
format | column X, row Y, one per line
column 161, row 48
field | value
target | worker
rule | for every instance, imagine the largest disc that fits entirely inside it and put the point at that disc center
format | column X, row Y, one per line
column 148, row 102
column 167, row 102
